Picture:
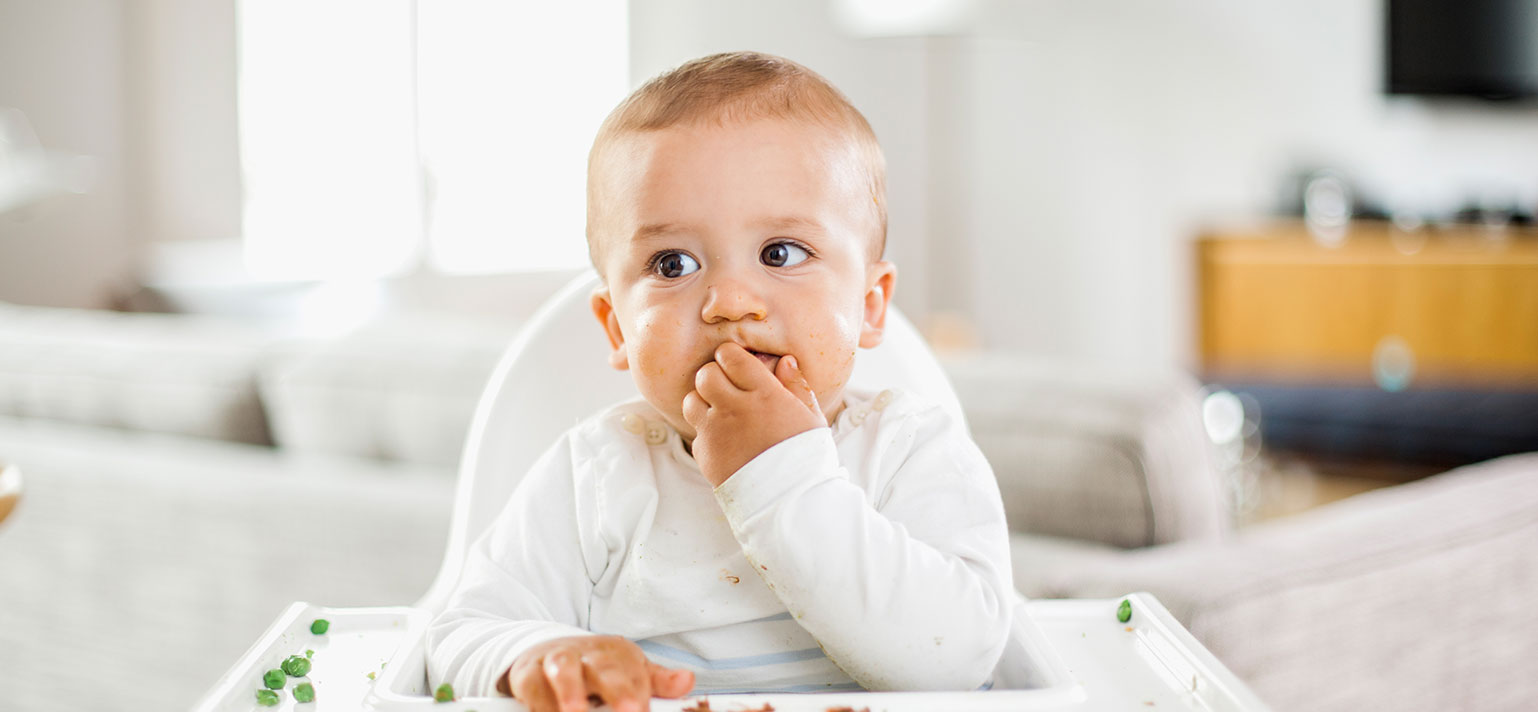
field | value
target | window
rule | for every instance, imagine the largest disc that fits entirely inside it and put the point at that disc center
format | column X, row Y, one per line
column 380, row 137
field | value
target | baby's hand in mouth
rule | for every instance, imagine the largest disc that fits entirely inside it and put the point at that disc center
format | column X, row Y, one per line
column 768, row 359
column 740, row 408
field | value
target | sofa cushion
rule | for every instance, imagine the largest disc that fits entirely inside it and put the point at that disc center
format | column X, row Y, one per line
column 1116, row 458
column 403, row 388
column 1412, row 597
column 155, row 372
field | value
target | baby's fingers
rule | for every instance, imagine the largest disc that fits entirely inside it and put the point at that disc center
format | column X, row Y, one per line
column 620, row 689
column 564, row 672
column 529, row 686
column 712, row 384
column 788, row 370
column 695, row 409
column 667, row 682
column 743, row 368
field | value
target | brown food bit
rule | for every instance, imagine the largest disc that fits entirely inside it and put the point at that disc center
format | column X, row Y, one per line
column 847, row 709
column 700, row 705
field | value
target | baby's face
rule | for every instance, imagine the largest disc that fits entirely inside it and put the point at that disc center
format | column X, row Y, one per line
column 758, row 233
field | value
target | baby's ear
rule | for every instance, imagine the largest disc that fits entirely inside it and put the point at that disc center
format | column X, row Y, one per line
column 881, row 279
column 603, row 308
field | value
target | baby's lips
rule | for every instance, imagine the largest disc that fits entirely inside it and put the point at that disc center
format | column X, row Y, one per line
column 768, row 360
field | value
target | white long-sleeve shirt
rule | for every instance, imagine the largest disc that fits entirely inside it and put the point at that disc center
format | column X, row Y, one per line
column 872, row 554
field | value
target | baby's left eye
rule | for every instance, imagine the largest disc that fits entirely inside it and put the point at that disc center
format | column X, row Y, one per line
column 783, row 254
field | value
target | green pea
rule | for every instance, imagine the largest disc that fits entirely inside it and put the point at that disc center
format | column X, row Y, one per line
column 444, row 693
column 304, row 692
column 274, row 679
column 1124, row 611
column 296, row 666
column 266, row 698
column 319, row 626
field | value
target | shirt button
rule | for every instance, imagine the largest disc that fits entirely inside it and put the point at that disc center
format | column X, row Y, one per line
column 656, row 433
column 883, row 400
column 633, row 423
column 857, row 417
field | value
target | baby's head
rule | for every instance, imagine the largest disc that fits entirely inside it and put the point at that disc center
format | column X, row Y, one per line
column 739, row 197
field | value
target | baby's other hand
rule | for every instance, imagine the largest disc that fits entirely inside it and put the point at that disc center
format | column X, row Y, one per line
column 739, row 409
column 559, row 675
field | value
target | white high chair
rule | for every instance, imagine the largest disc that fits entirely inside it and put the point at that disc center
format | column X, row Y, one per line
column 1062, row 655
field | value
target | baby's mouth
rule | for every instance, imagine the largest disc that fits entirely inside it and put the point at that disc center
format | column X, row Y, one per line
column 769, row 360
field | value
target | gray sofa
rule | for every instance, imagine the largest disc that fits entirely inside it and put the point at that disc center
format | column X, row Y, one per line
column 1412, row 597
column 186, row 478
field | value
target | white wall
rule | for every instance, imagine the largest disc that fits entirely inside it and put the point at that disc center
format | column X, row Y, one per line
column 1048, row 168
column 182, row 129
column 1106, row 133
column 61, row 64
column 147, row 88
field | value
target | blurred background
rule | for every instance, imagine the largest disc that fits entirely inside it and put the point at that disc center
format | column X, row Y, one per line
column 1322, row 208
column 1053, row 165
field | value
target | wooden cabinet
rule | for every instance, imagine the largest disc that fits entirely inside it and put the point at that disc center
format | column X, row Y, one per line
column 1453, row 307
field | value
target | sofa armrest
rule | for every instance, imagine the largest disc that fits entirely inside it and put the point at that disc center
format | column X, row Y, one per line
column 1113, row 458
column 1415, row 597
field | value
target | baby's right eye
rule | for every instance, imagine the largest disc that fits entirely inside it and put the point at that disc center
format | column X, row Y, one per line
column 672, row 265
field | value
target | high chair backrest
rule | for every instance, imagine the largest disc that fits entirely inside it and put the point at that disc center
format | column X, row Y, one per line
column 556, row 373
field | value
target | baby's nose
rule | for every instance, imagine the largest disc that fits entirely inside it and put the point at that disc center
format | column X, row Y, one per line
column 732, row 300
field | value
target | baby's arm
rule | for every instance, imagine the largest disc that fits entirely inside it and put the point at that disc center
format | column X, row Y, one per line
column 521, row 604
column 914, row 595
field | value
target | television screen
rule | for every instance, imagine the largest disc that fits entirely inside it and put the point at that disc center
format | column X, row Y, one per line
column 1484, row 48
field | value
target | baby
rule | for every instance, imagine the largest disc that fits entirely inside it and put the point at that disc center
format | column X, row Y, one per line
column 749, row 524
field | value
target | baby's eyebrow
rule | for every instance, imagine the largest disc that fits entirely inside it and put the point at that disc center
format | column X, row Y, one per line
column 787, row 223
column 655, row 230
column 790, row 223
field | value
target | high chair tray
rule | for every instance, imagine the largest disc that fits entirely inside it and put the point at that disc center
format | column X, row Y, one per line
column 346, row 660
column 1080, row 658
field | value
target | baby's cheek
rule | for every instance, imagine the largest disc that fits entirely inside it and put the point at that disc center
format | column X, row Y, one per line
column 832, row 352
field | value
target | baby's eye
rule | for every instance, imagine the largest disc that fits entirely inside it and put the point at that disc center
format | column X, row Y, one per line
column 783, row 254
column 672, row 265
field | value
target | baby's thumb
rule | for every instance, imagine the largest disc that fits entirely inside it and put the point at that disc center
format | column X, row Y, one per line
column 667, row 682
column 788, row 370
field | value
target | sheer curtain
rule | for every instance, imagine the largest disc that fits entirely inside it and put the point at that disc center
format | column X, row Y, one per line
column 382, row 137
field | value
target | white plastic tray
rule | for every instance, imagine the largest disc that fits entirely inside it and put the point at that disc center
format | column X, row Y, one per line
column 1077, row 655
column 358, row 643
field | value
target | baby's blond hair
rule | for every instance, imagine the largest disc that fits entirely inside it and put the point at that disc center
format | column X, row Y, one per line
column 739, row 86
